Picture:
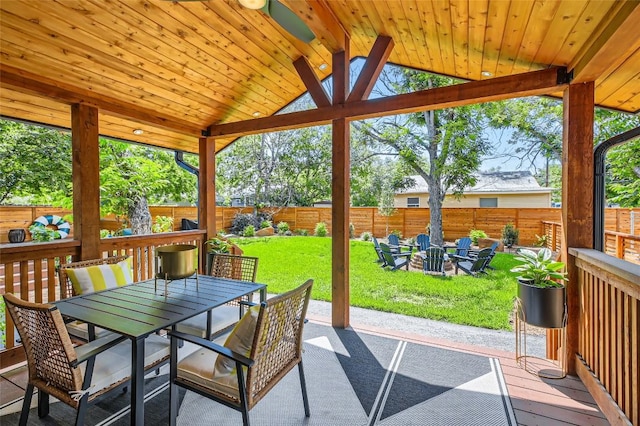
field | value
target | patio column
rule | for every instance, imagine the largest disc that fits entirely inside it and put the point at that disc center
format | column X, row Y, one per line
column 85, row 164
column 577, row 196
column 340, row 197
column 207, row 190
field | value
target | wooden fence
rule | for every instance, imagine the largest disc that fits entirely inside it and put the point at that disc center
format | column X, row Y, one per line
column 457, row 222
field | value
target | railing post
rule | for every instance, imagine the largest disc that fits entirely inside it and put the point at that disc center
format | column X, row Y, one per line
column 620, row 246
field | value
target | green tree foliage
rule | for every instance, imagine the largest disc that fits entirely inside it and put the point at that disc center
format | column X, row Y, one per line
column 444, row 147
column 538, row 135
column 35, row 164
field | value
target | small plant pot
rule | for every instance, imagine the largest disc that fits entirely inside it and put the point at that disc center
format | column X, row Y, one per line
column 542, row 307
column 17, row 235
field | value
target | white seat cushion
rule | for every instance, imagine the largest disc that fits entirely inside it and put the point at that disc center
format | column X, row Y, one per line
column 114, row 365
column 221, row 317
column 207, row 369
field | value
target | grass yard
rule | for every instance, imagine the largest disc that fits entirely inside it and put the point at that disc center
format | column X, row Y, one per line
column 487, row 301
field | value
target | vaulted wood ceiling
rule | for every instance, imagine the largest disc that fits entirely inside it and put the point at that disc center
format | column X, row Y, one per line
column 173, row 69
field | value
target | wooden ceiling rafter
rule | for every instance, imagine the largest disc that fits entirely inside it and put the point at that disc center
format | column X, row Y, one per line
column 528, row 84
column 372, row 68
column 312, row 82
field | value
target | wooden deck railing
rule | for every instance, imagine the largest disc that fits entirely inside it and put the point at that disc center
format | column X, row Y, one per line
column 618, row 244
column 608, row 359
column 29, row 269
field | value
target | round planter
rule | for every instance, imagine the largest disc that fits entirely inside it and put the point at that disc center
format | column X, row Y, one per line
column 542, row 307
column 17, row 235
column 176, row 261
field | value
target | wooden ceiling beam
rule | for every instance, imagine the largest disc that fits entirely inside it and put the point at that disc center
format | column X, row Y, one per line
column 372, row 68
column 322, row 22
column 612, row 44
column 41, row 86
column 528, row 84
column 312, row 82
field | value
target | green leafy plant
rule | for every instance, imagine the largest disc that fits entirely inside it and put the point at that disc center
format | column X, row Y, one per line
column 217, row 245
column 510, row 235
column 249, row 231
column 541, row 241
column 397, row 233
column 474, row 234
column 302, row 232
column 162, row 224
column 283, row 227
column 366, row 236
column 321, row 229
column 539, row 269
column 41, row 233
column 265, row 224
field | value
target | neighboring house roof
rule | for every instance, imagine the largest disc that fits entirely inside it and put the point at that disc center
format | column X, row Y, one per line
column 490, row 182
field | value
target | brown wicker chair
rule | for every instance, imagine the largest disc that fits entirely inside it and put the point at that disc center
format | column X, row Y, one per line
column 75, row 376
column 80, row 329
column 276, row 347
column 223, row 318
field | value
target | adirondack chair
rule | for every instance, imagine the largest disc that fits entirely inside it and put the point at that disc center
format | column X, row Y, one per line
column 474, row 254
column 462, row 249
column 376, row 246
column 433, row 260
column 474, row 265
column 395, row 245
column 395, row 260
column 424, row 242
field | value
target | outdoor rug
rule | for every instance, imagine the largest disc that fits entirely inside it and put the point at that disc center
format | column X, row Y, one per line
column 352, row 379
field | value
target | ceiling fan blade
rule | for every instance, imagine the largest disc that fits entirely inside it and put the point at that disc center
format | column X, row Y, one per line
column 288, row 20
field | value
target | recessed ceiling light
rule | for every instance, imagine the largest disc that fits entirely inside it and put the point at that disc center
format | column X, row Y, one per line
column 487, row 73
column 138, row 131
column 253, row 4
column 323, row 67
column 256, row 114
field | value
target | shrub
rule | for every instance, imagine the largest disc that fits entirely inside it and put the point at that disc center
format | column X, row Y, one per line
column 352, row 231
column 41, row 233
column 510, row 235
column 241, row 221
column 265, row 224
column 249, row 231
column 162, row 224
column 216, row 245
column 302, row 232
column 474, row 234
column 366, row 236
column 321, row 229
column 283, row 227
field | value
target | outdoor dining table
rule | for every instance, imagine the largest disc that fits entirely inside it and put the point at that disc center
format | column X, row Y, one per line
column 140, row 309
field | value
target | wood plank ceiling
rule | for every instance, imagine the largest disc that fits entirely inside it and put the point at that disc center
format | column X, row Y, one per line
column 173, row 69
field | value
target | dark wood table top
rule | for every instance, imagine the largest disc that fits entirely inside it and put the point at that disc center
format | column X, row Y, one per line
column 139, row 309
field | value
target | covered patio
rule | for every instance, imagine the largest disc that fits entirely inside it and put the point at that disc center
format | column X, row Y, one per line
column 194, row 76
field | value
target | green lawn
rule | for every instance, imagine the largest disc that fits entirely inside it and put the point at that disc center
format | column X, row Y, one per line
column 286, row 262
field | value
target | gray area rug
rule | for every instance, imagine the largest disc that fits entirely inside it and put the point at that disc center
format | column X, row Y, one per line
column 352, row 379
column 361, row 379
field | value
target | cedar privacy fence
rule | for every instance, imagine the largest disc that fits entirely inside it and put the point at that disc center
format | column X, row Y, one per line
column 622, row 225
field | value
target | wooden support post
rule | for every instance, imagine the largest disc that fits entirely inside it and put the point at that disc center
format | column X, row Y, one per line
column 85, row 159
column 207, row 192
column 340, row 198
column 577, row 196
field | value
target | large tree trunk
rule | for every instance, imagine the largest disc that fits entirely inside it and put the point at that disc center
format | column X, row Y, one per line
column 140, row 217
column 435, row 214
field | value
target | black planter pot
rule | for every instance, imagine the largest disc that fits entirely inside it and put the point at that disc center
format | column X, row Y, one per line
column 543, row 307
column 17, row 235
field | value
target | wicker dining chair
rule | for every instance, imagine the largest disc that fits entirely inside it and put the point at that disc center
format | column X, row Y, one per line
column 74, row 375
column 79, row 329
column 266, row 344
column 223, row 318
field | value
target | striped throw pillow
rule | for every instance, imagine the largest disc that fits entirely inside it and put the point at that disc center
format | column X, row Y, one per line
column 100, row 277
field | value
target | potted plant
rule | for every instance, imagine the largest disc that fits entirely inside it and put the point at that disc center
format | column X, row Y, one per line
column 540, row 288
